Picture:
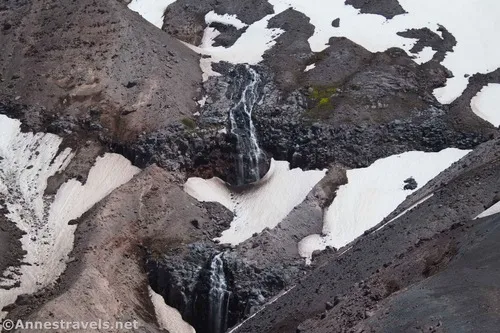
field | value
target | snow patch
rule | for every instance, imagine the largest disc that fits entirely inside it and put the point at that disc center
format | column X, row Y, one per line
column 473, row 23
column 486, row 104
column 370, row 195
column 151, row 10
column 425, row 55
column 168, row 318
column 309, row 67
column 374, row 32
column 202, row 101
column 264, row 205
column 226, row 19
column 495, row 209
column 249, row 48
column 28, row 160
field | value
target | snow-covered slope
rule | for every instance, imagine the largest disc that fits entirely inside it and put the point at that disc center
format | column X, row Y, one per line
column 374, row 192
column 264, row 205
column 465, row 19
column 168, row 318
column 486, row 104
column 151, row 10
column 249, row 48
column 27, row 161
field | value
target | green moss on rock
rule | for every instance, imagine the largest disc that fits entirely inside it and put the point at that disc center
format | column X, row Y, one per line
column 321, row 101
column 189, row 123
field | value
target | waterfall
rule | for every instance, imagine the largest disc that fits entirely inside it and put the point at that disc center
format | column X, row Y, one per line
column 242, row 128
column 218, row 296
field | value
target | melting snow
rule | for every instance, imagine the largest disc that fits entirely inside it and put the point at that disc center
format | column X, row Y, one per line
column 168, row 318
column 28, row 160
column 486, row 104
column 264, row 205
column 374, row 192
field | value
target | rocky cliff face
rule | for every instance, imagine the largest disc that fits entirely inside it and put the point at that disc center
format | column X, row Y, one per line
column 188, row 280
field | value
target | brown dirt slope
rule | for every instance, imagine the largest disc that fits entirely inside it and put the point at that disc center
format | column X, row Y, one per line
column 106, row 279
column 79, row 57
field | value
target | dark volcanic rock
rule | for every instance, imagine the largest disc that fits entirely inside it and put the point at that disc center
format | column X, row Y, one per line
column 289, row 57
column 457, row 299
column 10, row 244
column 185, row 19
column 386, row 8
column 461, row 107
column 434, row 237
column 183, row 277
column 426, row 37
column 228, row 34
column 410, row 184
column 355, row 116
column 337, row 62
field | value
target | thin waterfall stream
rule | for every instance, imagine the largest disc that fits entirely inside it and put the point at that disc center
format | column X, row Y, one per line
column 218, row 296
column 248, row 152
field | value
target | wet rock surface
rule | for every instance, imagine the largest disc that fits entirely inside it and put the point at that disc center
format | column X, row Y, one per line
column 183, row 277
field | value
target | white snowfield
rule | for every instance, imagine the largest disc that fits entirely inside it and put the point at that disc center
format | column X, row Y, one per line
column 264, row 205
column 495, row 209
column 151, row 10
column 474, row 24
column 168, row 318
column 374, row 192
column 28, row 160
column 486, row 104
column 249, row 48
